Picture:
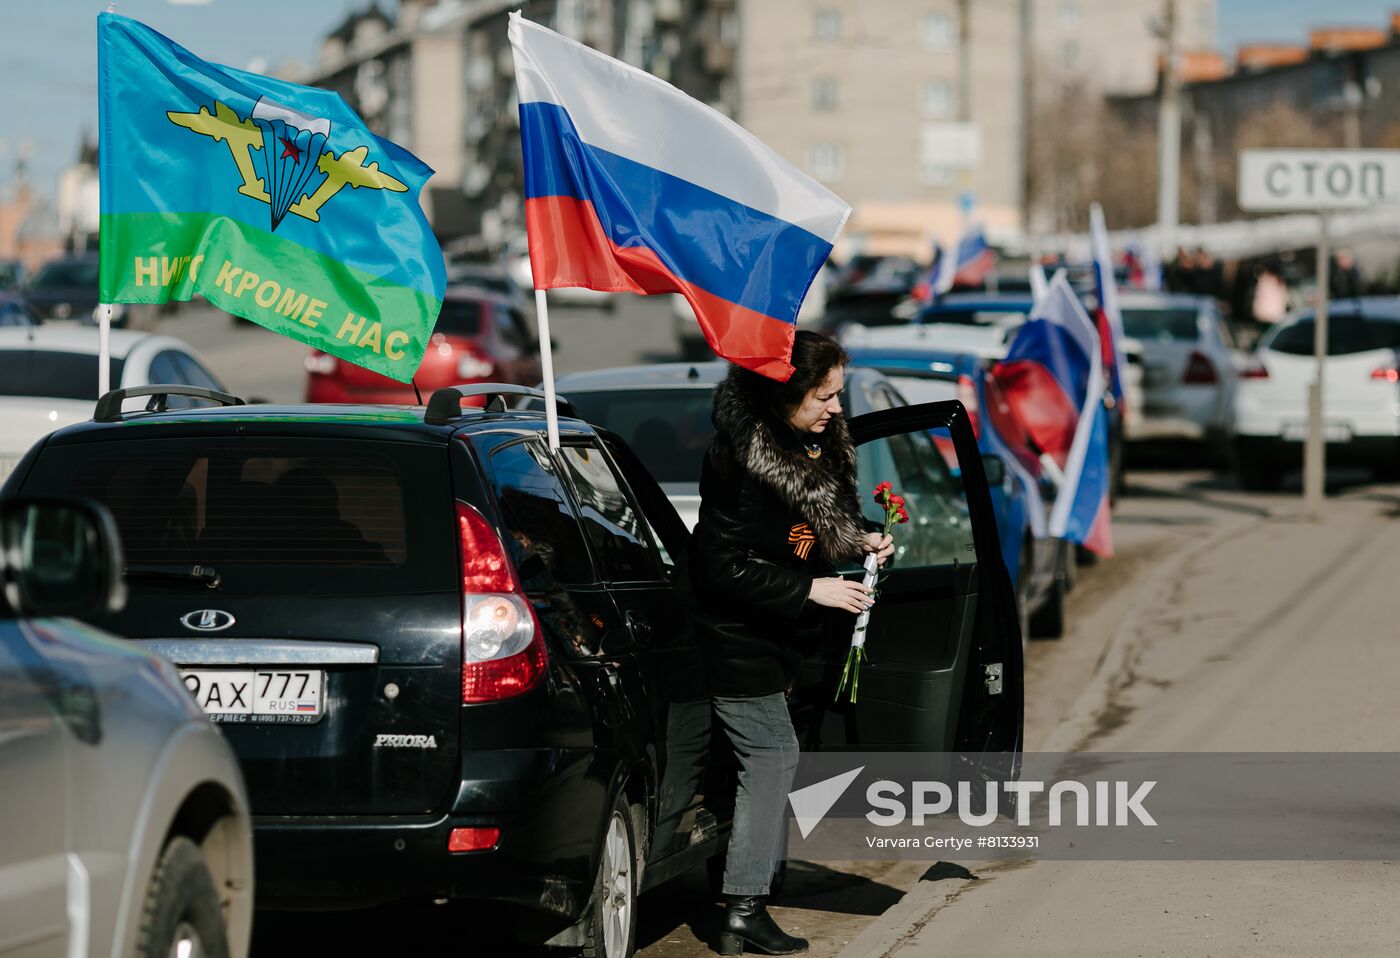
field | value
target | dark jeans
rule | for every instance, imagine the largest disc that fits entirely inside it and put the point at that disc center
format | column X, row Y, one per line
column 761, row 732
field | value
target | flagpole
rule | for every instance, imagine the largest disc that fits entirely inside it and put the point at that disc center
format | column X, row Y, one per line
column 551, row 411
column 104, row 349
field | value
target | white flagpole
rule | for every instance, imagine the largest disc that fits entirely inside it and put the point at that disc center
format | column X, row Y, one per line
column 551, row 412
column 104, row 349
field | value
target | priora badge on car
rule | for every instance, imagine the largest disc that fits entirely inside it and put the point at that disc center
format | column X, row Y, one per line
column 385, row 740
column 207, row 620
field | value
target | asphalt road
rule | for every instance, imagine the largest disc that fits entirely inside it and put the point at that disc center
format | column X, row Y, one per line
column 1226, row 621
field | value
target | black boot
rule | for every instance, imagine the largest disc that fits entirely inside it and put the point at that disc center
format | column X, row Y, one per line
column 746, row 920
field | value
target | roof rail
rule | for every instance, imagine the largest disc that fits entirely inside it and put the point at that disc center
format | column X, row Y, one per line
column 445, row 405
column 109, row 407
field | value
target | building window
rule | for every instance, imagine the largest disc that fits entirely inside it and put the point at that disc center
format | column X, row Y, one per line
column 938, row 99
column 1069, row 54
column 938, row 31
column 935, row 174
column 824, row 93
column 826, row 162
column 828, row 24
column 1069, row 13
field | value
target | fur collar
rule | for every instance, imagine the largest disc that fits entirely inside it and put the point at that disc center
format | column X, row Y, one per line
column 822, row 490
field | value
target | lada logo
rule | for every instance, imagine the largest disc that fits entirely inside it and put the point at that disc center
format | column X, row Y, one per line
column 207, row 620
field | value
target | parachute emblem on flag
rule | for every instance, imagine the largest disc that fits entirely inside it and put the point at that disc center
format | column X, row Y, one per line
column 293, row 171
column 292, row 143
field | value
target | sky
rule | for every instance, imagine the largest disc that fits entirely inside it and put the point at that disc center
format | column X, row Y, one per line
column 48, row 53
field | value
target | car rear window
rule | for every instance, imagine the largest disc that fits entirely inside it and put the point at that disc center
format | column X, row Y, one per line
column 1345, row 335
column 81, row 273
column 1161, row 325
column 51, row 374
column 279, row 516
column 460, row 317
column 668, row 429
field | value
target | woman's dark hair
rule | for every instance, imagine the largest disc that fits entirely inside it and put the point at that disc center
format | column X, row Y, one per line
column 813, row 356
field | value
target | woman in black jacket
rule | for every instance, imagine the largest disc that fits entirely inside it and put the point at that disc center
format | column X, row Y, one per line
column 778, row 508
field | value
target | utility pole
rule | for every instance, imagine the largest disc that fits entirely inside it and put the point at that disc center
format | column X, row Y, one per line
column 1023, row 144
column 1168, row 138
column 964, row 61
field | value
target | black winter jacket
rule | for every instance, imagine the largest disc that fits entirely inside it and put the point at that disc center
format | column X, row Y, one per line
column 771, row 520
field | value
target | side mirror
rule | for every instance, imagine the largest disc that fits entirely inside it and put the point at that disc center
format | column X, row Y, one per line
column 60, row 557
column 995, row 468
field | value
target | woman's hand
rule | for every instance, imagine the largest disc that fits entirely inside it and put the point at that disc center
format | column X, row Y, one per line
column 836, row 593
column 881, row 545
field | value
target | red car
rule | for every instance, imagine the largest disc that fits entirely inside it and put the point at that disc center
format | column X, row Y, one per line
column 479, row 337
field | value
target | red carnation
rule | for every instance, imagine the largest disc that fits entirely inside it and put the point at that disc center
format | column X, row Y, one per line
column 896, row 500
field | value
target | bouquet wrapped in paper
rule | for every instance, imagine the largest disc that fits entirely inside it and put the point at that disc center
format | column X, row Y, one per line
column 895, row 514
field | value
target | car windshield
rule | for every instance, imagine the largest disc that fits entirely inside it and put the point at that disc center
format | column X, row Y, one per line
column 77, row 272
column 51, row 374
column 1345, row 335
column 668, row 429
column 460, row 317
column 1161, row 324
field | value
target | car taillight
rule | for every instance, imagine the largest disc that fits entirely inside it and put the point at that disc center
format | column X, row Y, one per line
column 1389, row 373
column 319, row 364
column 1200, row 371
column 1255, row 370
column 967, row 395
column 502, row 646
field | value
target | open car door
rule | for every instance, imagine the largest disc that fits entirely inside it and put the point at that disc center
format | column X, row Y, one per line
column 943, row 672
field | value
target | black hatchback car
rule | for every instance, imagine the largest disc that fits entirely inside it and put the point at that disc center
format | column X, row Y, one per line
column 457, row 664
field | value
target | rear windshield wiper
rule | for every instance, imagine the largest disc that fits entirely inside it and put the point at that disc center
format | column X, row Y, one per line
column 195, row 573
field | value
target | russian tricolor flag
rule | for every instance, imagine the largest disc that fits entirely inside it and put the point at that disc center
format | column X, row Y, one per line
column 1110, row 317
column 632, row 186
column 1052, row 378
column 967, row 265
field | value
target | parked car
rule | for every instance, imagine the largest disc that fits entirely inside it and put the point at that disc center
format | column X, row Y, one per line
column 1041, row 567
column 48, row 378
column 1360, row 401
column 985, row 325
column 14, row 311
column 1189, row 367
column 124, row 825
column 487, row 684
column 493, row 279
column 479, row 337
column 866, row 290
column 66, row 288
column 662, row 411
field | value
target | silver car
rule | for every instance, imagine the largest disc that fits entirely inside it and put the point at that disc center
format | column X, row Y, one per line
column 123, row 820
column 1190, row 367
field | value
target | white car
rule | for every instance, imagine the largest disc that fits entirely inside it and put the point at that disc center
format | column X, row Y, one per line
column 1360, row 398
column 48, row 378
column 1189, row 367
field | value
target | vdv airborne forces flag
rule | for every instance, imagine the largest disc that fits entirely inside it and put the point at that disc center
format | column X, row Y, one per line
column 270, row 199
